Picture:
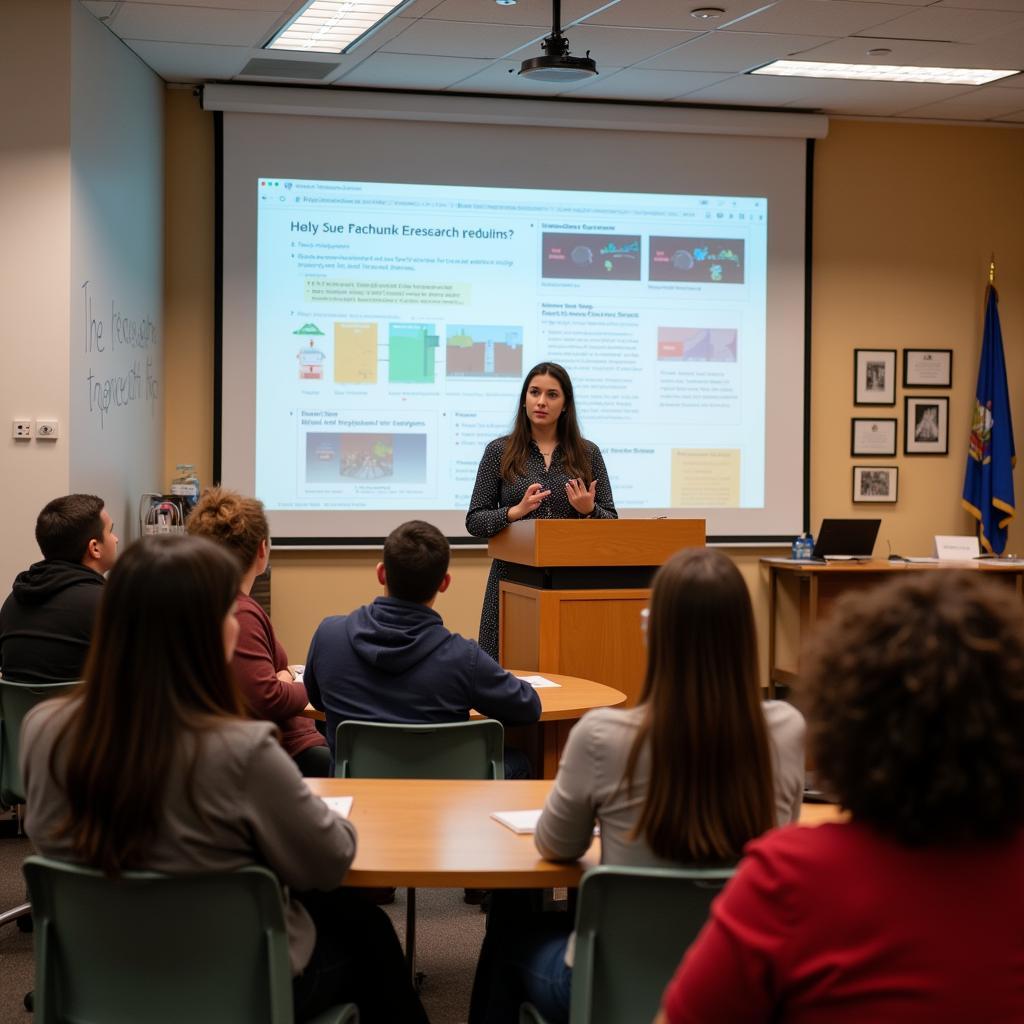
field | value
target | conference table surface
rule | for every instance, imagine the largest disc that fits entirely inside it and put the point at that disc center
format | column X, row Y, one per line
column 436, row 833
column 564, row 702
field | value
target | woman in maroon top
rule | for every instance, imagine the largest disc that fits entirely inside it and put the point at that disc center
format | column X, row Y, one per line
column 260, row 664
column 911, row 911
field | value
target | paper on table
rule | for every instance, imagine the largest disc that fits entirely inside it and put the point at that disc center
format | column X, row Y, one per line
column 523, row 823
column 927, row 560
column 298, row 671
column 538, row 682
column 341, row 805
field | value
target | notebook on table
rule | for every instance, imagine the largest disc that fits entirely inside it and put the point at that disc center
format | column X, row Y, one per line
column 842, row 539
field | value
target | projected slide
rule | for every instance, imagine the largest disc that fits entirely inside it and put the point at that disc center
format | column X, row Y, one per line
column 395, row 323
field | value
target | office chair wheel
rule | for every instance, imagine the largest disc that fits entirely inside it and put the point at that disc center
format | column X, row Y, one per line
column 24, row 923
column 30, row 1001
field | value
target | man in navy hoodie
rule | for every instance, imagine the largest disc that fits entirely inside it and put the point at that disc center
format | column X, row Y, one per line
column 394, row 661
column 46, row 622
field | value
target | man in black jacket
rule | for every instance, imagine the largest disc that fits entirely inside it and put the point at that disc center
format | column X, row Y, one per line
column 46, row 623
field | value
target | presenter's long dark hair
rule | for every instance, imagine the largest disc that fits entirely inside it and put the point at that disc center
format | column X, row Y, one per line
column 710, row 788
column 574, row 454
column 156, row 676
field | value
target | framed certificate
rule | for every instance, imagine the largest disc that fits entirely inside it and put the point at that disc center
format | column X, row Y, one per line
column 927, row 367
column 872, row 437
column 875, row 483
column 926, row 425
column 874, row 376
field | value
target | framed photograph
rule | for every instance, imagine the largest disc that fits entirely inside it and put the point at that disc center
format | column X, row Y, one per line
column 875, row 483
column 927, row 367
column 926, row 425
column 873, row 437
column 874, row 376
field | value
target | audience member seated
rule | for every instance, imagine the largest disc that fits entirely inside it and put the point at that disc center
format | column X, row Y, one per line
column 260, row 664
column 153, row 765
column 686, row 777
column 46, row 622
column 394, row 661
column 912, row 910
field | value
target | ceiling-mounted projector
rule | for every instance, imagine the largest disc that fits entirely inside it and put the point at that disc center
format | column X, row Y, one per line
column 557, row 65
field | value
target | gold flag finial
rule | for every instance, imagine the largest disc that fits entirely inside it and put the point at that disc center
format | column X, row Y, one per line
column 992, row 269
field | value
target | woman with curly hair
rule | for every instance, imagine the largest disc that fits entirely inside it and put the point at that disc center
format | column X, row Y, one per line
column 270, row 691
column 911, row 911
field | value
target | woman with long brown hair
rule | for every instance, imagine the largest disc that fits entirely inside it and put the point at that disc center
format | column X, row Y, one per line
column 543, row 469
column 152, row 765
column 698, row 768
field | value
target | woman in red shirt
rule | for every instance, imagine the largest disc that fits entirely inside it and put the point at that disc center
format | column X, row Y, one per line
column 260, row 664
column 911, row 911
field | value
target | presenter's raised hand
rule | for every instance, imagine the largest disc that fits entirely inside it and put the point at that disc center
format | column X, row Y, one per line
column 581, row 497
column 534, row 495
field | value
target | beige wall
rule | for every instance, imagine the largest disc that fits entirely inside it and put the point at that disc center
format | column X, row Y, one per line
column 904, row 220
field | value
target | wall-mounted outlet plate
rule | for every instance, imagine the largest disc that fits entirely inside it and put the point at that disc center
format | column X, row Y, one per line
column 47, row 430
column 21, row 430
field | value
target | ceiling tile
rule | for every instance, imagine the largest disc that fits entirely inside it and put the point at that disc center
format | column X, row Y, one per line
column 913, row 52
column 178, row 62
column 176, row 24
column 662, row 14
column 878, row 99
column 524, row 12
column 947, row 23
column 984, row 5
column 278, row 6
column 733, row 51
column 755, row 91
column 99, row 8
column 820, row 17
column 450, row 38
column 636, row 84
column 411, row 71
column 622, row 46
column 981, row 102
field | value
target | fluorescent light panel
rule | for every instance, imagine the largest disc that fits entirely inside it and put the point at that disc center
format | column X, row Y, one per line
column 329, row 26
column 881, row 72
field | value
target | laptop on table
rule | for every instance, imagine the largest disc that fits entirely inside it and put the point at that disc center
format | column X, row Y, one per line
column 845, row 539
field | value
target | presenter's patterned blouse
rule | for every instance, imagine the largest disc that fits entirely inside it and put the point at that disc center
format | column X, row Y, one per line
column 493, row 497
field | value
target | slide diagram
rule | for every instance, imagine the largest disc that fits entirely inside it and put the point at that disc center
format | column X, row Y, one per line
column 311, row 357
column 484, row 351
column 411, row 349
column 585, row 257
column 355, row 353
column 340, row 458
column 707, row 260
column 697, row 344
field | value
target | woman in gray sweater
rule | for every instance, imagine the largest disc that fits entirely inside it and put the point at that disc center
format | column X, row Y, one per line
column 692, row 773
column 152, row 765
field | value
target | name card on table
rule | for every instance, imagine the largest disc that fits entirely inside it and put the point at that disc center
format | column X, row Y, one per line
column 956, row 549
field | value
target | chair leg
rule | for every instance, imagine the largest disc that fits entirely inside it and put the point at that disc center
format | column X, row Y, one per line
column 22, row 910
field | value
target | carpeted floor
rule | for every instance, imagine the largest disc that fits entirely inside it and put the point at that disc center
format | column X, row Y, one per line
column 448, row 938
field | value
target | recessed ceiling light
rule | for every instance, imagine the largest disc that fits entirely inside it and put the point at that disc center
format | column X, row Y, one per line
column 506, row 3
column 333, row 26
column 707, row 13
column 881, row 72
column 879, row 51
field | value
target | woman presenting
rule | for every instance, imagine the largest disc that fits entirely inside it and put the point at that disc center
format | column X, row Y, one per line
column 544, row 469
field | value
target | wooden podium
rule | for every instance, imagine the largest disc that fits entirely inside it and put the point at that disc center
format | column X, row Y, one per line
column 576, row 589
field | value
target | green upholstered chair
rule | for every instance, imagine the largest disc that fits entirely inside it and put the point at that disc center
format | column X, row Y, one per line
column 161, row 948
column 632, row 927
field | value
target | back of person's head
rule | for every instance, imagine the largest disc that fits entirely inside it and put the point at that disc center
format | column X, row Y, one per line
column 157, row 669
column 229, row 518
column 416, row 558
column 916, row 707
column 710, row 787
column 66, row 525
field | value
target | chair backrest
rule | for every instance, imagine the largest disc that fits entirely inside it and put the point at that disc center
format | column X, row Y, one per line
column 16, row 701
column 632, row 927
column 158, row 948
column 452, row 750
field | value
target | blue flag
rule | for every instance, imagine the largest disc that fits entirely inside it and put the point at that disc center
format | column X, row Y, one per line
column 988, row 482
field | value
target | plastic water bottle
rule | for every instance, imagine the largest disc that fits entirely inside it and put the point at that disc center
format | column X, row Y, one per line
column 797, row 548
column 807, row 547
column 185, row 485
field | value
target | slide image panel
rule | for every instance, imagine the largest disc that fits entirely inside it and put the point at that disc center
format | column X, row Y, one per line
column 411, row 349
column 705, row 477
column 484, row 351
column 355, row 353
column 588, row 257
column 333, row 458
column 697, row 344
column 311, row 357
column 702, row 260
